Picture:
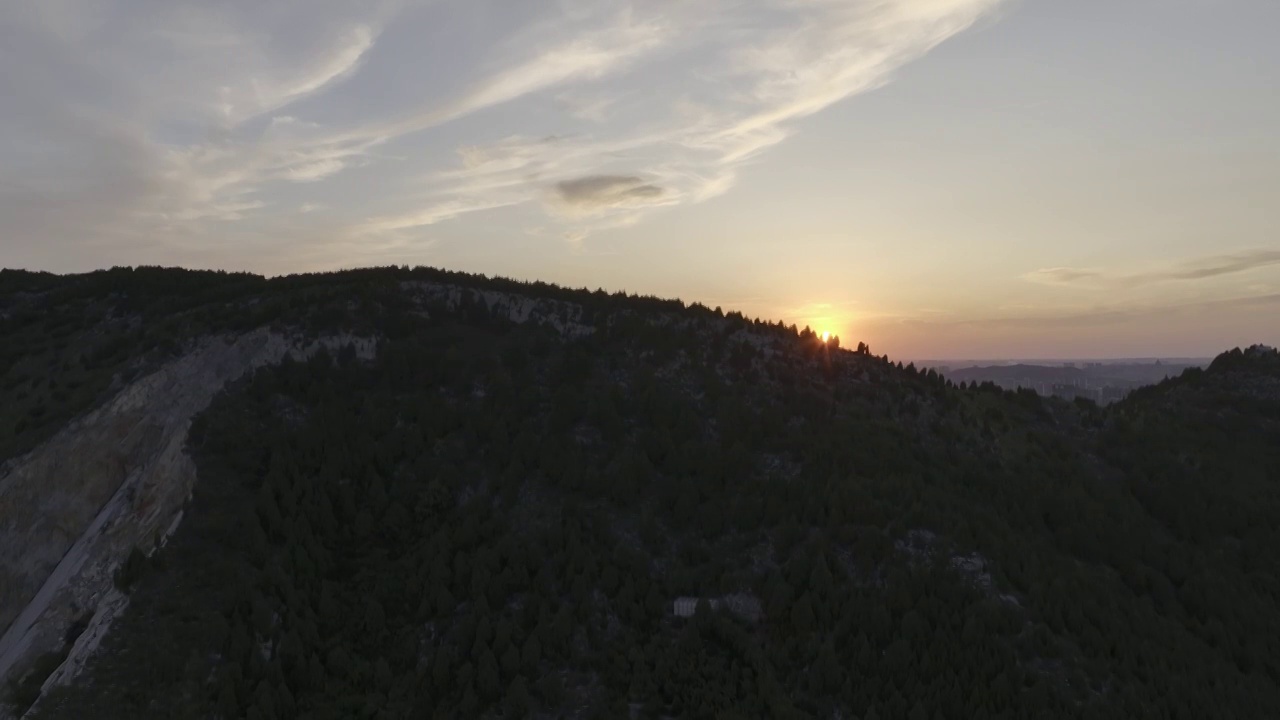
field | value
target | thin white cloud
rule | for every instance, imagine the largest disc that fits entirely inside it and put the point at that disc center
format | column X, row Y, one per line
column 594, row 109
column 268, row 86
column 594, row 54
column 1216, row 265
column 339, row 63
column 696, row 92
column 297, row 151
column 431, row 215
column 1063, row 276
column 757, row 80
column 1113, row 313
column 1201, row 268
column 192, row 79
column 313, row 171
column 586, row 58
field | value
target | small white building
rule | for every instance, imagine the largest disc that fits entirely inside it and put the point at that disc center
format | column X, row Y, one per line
column 686, row 606
column 743, row 605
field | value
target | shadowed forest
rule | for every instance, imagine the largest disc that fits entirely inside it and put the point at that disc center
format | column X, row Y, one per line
column 493, row 518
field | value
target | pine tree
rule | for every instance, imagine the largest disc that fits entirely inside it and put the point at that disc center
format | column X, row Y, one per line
column 518, row 702
column 487, row 676
column 531, row 655
column 802, row 617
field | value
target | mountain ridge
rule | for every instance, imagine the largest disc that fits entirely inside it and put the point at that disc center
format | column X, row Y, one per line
column 750, row 442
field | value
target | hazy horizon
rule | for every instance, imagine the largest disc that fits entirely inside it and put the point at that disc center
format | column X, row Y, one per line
column 846, row 343
column 1049, row 360
column 978, row 179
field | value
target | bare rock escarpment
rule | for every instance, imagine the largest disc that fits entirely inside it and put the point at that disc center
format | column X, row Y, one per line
column 112, row 480
column 116, row 478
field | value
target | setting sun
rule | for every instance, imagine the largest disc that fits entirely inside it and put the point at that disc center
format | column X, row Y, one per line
column 826, row 336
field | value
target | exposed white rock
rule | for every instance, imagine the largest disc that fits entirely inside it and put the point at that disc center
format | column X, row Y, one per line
column 744, row 605
column 108, row 609
column 112, row 480
column 924, row 545
column 564, row 317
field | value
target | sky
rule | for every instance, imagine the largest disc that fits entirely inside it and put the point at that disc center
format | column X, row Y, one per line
column 937, row 178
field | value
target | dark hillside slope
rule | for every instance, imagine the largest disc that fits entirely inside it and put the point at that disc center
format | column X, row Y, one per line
column 494, row 517
column 1201, row 452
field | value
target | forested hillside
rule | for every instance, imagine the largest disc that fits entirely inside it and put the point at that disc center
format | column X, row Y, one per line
column 494, row 516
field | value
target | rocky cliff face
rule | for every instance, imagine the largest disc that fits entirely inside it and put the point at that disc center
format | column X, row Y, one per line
column 115, row 479
column 565, row 317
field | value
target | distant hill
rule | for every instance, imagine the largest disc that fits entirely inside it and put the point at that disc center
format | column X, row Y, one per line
column 1019, row 370
column 416, row 493
column 1101, row 382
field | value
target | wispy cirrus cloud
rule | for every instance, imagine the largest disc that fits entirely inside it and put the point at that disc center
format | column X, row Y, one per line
column 1063, row 276
column 1055, row 331
column 242, row 111
column 192, row 87
column 1216, row 265
column 430, row 215
column 594, row 108
column 1133, row 329
column 588, row 56
column 691, row 132
column 1119, row 314
column 1189, row 270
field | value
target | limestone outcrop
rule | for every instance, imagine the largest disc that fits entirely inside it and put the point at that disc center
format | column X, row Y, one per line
column 72, row 509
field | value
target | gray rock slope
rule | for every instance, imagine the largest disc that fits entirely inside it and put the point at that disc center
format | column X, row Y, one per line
column 72, row 509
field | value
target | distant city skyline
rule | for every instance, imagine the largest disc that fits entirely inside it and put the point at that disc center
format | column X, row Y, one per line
column 975, row 179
